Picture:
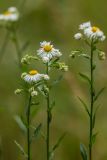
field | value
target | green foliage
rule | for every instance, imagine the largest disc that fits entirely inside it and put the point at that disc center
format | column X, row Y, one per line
column 84, row 105
column 83, row 152
column 99, row 93
column 21, row 149
column 21, row 123
column 56, row 146
column 85, row 77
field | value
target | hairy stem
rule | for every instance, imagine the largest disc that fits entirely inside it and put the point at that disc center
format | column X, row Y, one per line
column 92, row 102
column 28, row 129
column 48, row 121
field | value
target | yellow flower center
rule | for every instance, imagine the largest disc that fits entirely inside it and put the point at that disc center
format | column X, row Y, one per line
column 7, row 13
column 33, row 72
column 47, row 48
column 95, row 29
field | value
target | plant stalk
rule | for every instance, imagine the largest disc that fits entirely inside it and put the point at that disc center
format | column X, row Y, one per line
column 48, row 121
column 28, row 130
column 92, row 102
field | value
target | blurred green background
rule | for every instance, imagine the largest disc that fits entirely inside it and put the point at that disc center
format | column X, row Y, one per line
column 56, row 21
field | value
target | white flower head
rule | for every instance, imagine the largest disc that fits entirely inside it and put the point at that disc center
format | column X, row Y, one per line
column 84, row 25
column 47, row 52
column 11, row 15
column 33, row 76
column 94, row 33
column 78, row 36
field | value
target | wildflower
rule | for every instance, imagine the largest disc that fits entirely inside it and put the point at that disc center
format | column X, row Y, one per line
column 102, row 55
column 47, row 52
column 78, row 36
column 11, row 15
column 94, row 33
column 33, row 76
column 90, row 32
column 84, row 25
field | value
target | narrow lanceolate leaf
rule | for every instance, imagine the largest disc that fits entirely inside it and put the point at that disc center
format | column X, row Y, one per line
column 85, row 77
column 99, row 93
column 21, row 149
column 20, row 123
column 51, row 155
column 93, row 138
column 83, row 152
column 94, row 116
column 58, row 142
column 37, row 131
column 84, row 105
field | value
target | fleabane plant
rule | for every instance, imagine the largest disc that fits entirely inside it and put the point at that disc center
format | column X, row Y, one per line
column 9, row 20
column 50, row 57
column 33, row 83
column 91, row 35
column 9, row 16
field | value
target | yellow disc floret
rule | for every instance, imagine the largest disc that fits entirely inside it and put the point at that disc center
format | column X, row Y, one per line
column 7, row 13
column 33, row 72
column 95, row 29
column 47, row 48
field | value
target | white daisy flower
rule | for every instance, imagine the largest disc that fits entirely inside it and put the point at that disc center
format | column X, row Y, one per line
column 11, row 15
column 47, row 52
column 84, row 25
column 94, row 32
column 33, row 76
column 78, row 36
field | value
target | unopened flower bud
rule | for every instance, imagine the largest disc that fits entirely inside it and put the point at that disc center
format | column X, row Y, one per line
column 34, row 93
column 18, row 91
column 102, row 55
column 78, row 36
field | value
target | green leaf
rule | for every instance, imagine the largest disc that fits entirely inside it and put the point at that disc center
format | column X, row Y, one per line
column 84, row 105
column 94, row 116
column 58, row 142
column 21, row 149
column 21, row 123
column 83, row 152
column 93, row 138
column 85, row 77
column 37, row 131
column 99, row 93
column 51, row 155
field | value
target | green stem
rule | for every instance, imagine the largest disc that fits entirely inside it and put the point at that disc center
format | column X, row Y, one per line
column 3, row 48
column 48, row 121
column 18, row 50
column 92, row 103
column 28, row 129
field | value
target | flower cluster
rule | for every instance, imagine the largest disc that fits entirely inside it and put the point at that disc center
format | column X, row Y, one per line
column 90, row 32
column 11, row 15
column 33, row 76
column 34, row 80
column 47, row 52
column 91, row 35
